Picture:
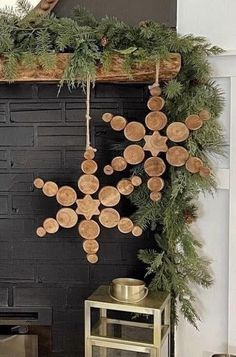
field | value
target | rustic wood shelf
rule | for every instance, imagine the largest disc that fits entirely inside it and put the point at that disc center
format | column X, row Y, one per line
column 140, row 73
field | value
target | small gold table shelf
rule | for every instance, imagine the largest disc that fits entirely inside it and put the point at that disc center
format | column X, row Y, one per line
column 125, row 336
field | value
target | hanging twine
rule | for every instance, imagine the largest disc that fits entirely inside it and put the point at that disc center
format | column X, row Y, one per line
column 87, row 116
column 156, row 83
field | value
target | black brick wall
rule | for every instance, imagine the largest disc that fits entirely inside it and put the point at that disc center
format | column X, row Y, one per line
column 44, row 135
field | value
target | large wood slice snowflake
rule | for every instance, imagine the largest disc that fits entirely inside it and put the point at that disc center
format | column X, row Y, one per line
column 87, row 207
column 154, row 138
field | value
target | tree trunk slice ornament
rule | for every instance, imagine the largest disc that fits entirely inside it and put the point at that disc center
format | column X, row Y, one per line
column 154, row 166
column 108, row 170
column 194, row 164
column 205, row 171
column 134, row 131
column 134, row 154
column 67, row 217
column 41, row 232
column 88, row 207
column 194, row 122
column 109, row 196
column 118, row 164
column 90, row 246
column 66, row 196
column 155, row 103
column 50, row 188
column 38, row 183
column 88, row 184
column 109, row 217
column 89, row 167
column 89, row 229
column 177, row 156
column 156, row 120
column 92, row 258
column 155, row 196
column 125, row 187
column 155, row 143
column 118, row 123
column 137, row 231
column 205, row 114
column 136, row 181
column 177, row 132
column 125, row 225
column 155, row 184
column 50, row 225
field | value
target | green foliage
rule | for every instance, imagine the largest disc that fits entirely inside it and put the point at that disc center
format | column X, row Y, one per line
column 176, row 262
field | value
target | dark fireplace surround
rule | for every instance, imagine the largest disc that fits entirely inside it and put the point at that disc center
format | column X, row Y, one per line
column 43, row 135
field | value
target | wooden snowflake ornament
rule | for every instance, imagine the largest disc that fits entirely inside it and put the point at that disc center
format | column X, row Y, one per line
column 155, row 138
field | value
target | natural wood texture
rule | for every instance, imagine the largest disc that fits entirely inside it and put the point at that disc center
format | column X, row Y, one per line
column 89, row 154
column 90, row 246
column 155, row 184
column 50, row 225
column 88, row 184
column 89, row 167
column 194, row 164
column 41, row 232
column 38, row 183
column 134, row 154
column 92, row 258
column 107, row 117
column 88, row 207
column 155, row 143
column 45, row 6
column 66, row 217
column 145, row 73
column 137, row 231
column 205, row 114
column 66, row 196
column 205, row 171
column 125, row 225
column 194, row 122
column 155, row 196
column 155, row 91
column 118, row 123
column 136, row 180
column 125, row 187
column 177, row 156
column 119, row 163
column 154, row 166
column 109, row 196
column 50, row 188
column 108, row 170
column 156, row 120
column 109, row 217
column 155, row 103
column 134, row 131
column 89, row 229
column 177, row 132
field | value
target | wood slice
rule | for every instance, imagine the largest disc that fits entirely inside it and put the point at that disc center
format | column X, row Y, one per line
column 41, row 232
column 89, row 167
column 38, row 183
column 119, row 163
column 125, row 225
column 154, row 166
column 108, row 170
column 118, row 123
column 109, row 196
column 107, row 117
column 156, row 120
column 92, row 258
column 136, row 180
column 194, row 164
column 194, row 122
column 155, row 143
column 177, row 132
column 89, row 229
column 134, row 131
column 155, row 103
column 177, row 156
column 90, row 246
column 109, row 217
column 50, row 225
column 205, row 171
column 155, row 184
column 89, row 154
column 155, row 196
column 155, row 91
column 88, row 184
column 50, row 188
column 45, row 6
column 88, row 207
column 66, row 217
column 134, row 154
column 125, row 187
column 205, row 115
column 66, row 196
column 137, row 231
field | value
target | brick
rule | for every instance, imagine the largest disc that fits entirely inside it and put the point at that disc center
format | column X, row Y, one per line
column 3, row 296
column 73, row 159
column 16, row 271
column 61, row 136
column 3, row 159
column 5, row 251
column 63, row 273
column 75, row 112
column 16, row 182
column 39, row 296
column 33, row 205
column 71, row 318
column 3, row 205
column 129, row 92
column 105, row 250
column 16, row 136
column 16, row 91
column 77, row 295
column 2, row 112
column 12, row 228
column 36, row 159
column 51, row 91
column 39, row 112
column 103, row 275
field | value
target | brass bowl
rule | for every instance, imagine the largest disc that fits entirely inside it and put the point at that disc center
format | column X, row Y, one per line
column 128, row 290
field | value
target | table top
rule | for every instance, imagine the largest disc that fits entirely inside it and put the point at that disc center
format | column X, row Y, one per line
column 154, row 300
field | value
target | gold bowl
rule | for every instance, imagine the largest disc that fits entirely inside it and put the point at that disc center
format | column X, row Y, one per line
column 128, row 290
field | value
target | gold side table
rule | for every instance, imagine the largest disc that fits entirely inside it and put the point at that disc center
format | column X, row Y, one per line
column 109, row 336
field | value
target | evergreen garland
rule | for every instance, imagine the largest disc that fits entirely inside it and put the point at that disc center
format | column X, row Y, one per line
column 176, row 262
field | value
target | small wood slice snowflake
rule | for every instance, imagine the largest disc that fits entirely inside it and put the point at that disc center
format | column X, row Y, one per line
column 148, row 143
